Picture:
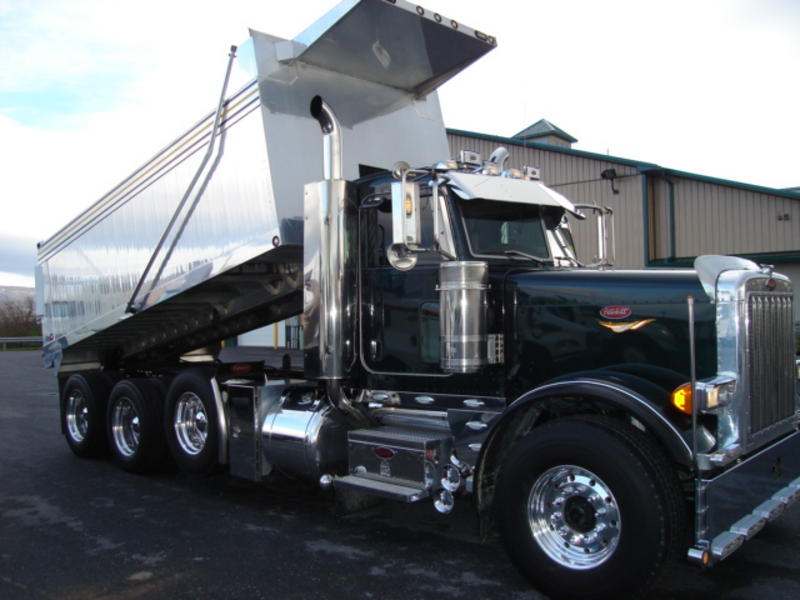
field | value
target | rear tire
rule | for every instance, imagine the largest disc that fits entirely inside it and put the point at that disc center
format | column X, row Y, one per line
column 135, row 434
column 191, row 423
column 83, row 410
column 589, row 508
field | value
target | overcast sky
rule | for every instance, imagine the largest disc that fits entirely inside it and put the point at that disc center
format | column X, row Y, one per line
column 89, row 89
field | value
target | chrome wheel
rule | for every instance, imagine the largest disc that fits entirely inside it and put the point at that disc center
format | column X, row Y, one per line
column 574, row 517
column 191, row 423
column 77, row 413
column 125, row 427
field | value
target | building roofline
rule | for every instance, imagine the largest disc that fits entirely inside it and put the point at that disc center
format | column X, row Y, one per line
column 545, row 129
column 551, row 148
column 642, row 167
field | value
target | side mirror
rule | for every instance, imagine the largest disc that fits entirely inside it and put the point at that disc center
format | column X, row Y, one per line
column 405, row 214
column 406, row 229
column 605, row 234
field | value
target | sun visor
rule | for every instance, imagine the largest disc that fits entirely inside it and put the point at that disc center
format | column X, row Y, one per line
column 471, row 186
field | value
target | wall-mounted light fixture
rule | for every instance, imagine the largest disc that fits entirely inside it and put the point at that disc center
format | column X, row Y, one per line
column 610, row 175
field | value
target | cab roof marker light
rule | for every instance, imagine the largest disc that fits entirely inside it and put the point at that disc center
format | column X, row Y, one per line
column 531, row 173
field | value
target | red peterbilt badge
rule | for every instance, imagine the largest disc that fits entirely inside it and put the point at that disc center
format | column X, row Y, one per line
column 384, row 453
column 615, row 312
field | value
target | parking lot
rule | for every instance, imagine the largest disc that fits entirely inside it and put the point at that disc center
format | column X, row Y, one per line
column 72, row 528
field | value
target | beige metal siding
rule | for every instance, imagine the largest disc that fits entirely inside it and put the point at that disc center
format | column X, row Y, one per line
column 717, row 219
column 578, row 178
column 792, row 271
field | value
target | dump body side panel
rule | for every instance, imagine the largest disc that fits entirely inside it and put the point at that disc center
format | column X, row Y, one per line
column 92, row 266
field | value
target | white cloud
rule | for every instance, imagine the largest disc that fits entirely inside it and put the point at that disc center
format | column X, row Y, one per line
column 15, row 280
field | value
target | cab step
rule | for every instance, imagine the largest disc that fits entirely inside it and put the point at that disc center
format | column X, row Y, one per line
column 384, row 489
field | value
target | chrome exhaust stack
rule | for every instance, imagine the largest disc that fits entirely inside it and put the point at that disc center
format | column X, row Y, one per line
column 329, row 248
column 332, row 138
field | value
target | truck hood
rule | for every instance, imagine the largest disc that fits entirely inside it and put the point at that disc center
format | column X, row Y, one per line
column 610, row 287
column 574, row 321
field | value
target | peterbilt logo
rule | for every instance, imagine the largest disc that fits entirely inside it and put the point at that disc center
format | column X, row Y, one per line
column 384, row 453
column 615, row 312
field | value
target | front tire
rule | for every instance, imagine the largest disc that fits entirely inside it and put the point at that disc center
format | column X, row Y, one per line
column 191, row 422
column 589, row 508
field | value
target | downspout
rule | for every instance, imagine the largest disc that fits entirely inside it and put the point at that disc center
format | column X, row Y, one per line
column 671, row 208
column 646, row 217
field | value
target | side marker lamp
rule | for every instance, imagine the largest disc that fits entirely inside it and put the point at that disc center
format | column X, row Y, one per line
column 681, row 398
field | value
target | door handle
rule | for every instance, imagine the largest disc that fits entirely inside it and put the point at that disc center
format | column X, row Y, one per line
column 374, row 349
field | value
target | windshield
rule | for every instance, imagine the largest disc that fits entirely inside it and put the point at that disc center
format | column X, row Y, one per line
column 504, row 228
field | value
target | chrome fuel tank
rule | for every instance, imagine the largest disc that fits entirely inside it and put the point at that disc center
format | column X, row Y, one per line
column 291, row 429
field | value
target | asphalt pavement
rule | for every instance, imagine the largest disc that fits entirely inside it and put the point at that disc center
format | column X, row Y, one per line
column 73, row 528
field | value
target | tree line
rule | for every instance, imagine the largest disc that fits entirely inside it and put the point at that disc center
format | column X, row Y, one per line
column 18, row 318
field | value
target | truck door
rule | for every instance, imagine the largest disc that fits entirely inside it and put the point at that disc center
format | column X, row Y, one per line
column 400, row 309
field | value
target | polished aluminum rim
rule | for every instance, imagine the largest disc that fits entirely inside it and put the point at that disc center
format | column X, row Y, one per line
column 574, row 517
column 125, row 427
column 77, row 413
column 191, row 423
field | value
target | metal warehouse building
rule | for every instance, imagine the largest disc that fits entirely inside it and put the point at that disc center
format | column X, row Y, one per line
column 662, row 217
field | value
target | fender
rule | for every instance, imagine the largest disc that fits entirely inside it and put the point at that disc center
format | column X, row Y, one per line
column 615, row 389
column 623, row 391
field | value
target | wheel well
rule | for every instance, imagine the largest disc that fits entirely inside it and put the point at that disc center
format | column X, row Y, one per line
column 527, row 417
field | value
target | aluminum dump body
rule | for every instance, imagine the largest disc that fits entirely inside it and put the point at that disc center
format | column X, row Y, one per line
column 231, row 260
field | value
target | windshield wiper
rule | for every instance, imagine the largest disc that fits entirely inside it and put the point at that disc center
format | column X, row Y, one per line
column 538, row 259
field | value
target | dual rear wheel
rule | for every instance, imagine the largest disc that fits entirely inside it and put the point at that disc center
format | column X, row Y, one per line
column 142, row 422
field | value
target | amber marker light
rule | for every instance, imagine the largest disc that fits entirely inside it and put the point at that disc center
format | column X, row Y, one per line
column 681, row 398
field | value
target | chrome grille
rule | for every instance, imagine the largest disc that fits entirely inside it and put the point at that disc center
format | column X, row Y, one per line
column 770, row 357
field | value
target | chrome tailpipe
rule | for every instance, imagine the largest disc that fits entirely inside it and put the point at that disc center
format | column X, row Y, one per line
column 332, row 138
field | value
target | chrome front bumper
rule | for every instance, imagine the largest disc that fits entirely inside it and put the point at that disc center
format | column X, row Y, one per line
column 734, row 506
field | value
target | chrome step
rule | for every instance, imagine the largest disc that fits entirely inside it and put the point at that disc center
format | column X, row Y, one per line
column 393, row 491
